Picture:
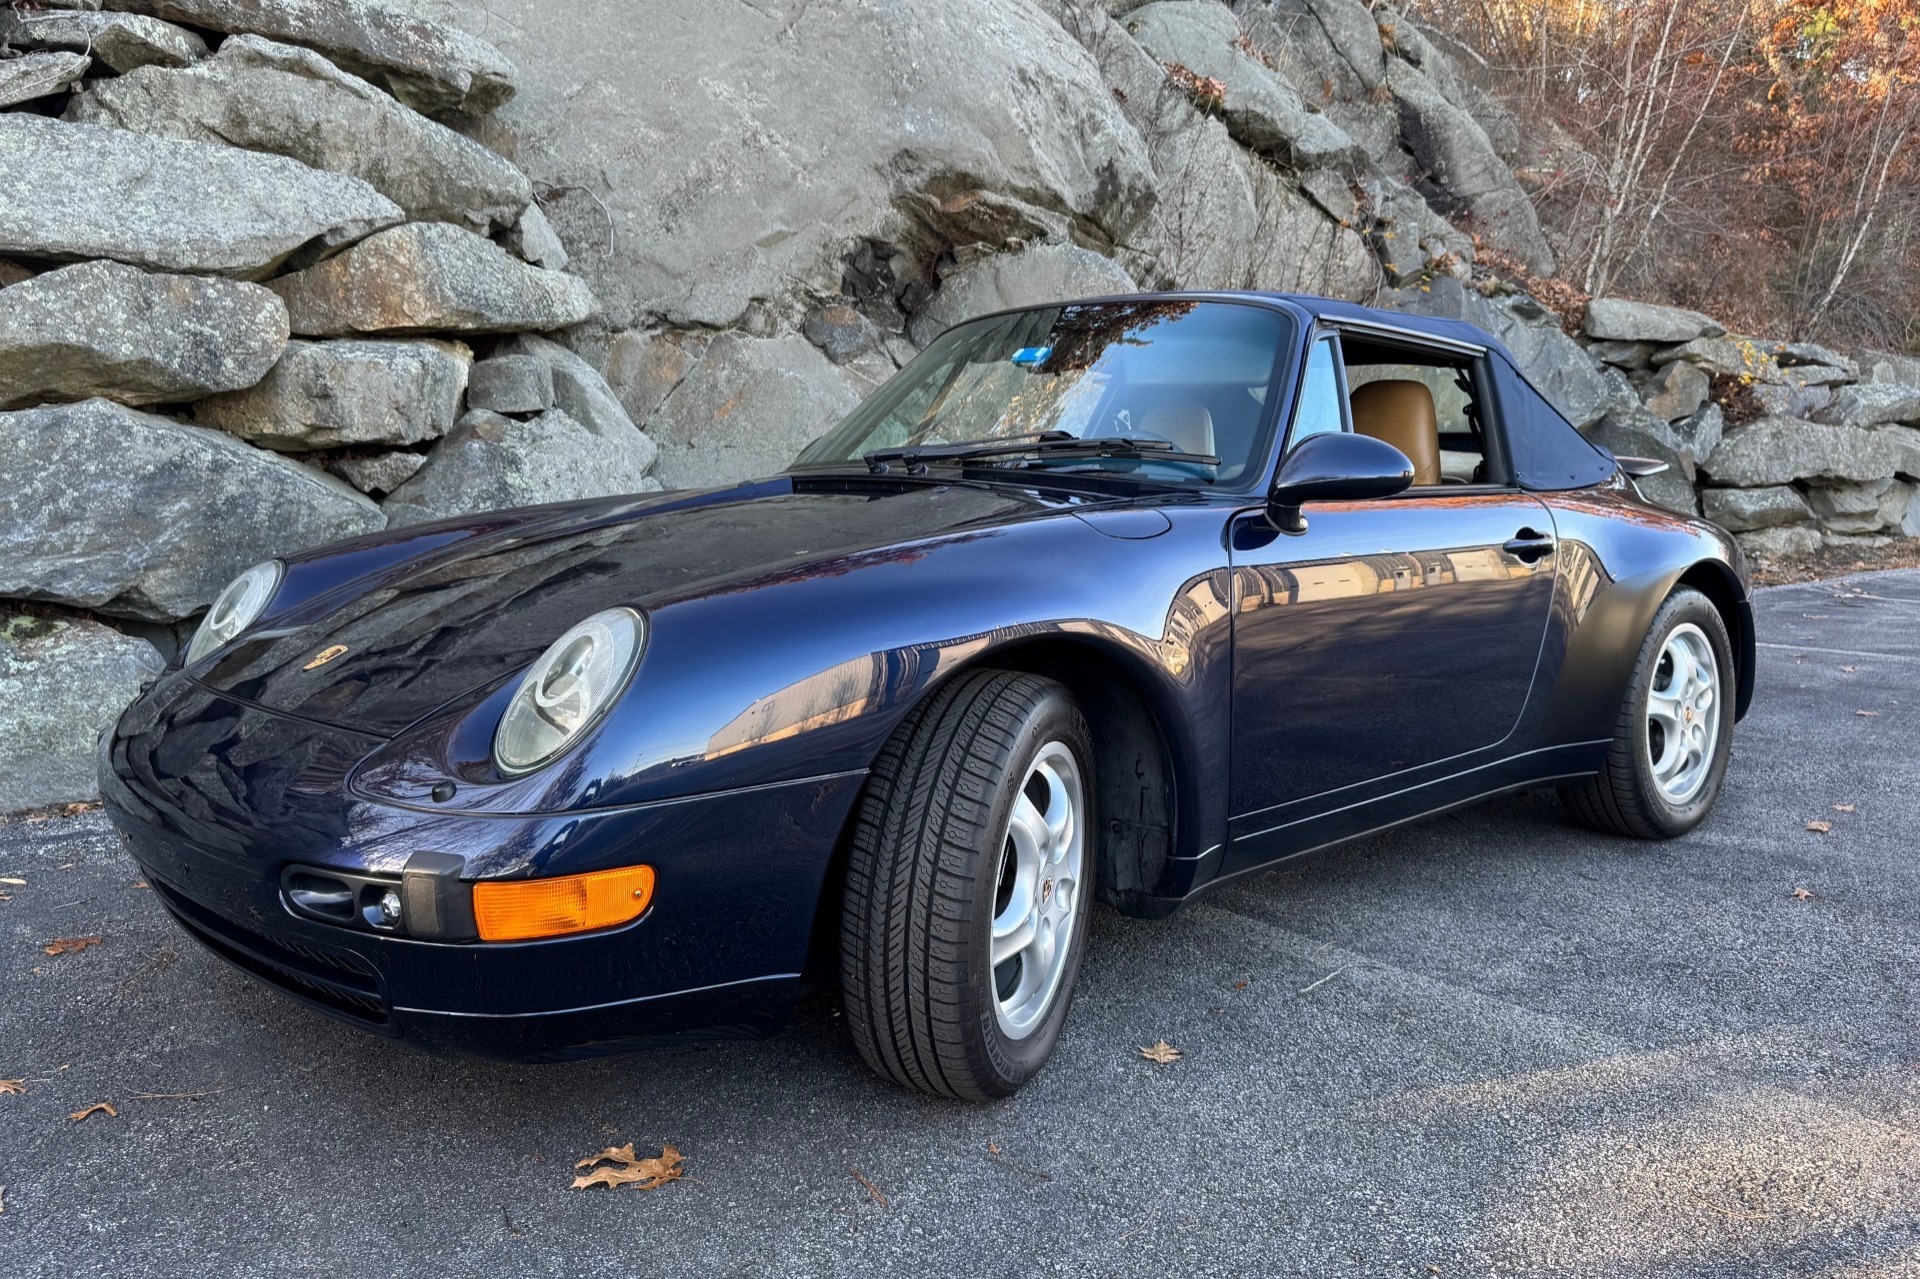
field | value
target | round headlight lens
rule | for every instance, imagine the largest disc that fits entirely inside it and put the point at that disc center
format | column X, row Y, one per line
column 235, row 609
column 569, row 688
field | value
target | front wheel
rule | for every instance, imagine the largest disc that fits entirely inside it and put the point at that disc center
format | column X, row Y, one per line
column 1675, row 732
column 968, row 887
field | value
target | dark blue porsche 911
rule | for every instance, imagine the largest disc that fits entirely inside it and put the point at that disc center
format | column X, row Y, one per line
column 1109, row 600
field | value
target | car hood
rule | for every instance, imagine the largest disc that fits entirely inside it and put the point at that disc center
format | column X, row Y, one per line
column 478, row 608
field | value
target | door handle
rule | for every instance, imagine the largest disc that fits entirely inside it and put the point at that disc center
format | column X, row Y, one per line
column 1529, row 545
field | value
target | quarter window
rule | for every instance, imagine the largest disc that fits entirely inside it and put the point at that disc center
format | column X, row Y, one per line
column 1322, row 405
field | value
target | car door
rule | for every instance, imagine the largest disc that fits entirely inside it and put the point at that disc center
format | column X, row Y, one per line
column 1391, row 637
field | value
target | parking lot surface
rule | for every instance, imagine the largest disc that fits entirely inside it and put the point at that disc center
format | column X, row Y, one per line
column 1494, row 1043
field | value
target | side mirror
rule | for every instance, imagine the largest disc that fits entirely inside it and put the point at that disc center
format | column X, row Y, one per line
column 1334, row 467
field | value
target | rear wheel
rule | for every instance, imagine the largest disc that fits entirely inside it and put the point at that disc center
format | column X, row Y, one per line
column 1675, row 731
column 968, row 887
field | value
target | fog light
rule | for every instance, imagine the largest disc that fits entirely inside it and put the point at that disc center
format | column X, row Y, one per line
column 386, row 911
column 520, row 909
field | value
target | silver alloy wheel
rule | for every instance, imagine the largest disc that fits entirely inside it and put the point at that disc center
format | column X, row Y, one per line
column 1683, row 716
column 1037, row 899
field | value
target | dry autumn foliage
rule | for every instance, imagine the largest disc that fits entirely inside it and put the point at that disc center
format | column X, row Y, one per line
column 619, row 1166
column 1819, row 827
column 13, row 1087
column 1758, row 159
column 70, row 945
column 97, row 1108
column 1802, row 894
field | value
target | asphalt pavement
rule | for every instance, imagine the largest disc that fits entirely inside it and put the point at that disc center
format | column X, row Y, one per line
column 1494, row 1043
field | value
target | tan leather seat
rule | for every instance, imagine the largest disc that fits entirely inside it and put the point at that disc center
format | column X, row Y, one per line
column 1189, row 426
column 1400, row 411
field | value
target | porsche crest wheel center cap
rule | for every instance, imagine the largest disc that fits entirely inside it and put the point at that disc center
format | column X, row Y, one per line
column 1046, row 892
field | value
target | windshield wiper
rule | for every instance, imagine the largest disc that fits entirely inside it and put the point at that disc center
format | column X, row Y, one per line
column 1045, row 445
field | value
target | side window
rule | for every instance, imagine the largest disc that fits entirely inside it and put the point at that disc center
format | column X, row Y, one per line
column 1322, row 405
column 1388, row 395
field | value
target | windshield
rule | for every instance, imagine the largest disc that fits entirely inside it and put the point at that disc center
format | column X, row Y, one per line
column 1195, row 375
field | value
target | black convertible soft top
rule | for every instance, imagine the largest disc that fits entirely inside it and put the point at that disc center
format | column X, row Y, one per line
column 1547, row 452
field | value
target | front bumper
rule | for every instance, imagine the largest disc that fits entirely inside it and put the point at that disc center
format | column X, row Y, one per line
column 718, row 953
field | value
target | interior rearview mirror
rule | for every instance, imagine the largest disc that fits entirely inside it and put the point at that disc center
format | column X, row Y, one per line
column 1334, row 467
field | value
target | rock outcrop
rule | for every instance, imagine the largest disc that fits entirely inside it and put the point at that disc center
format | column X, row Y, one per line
column 62, row 681
column 290, row 101
column 135, row 515
column 346, row 394
column 85, row 191
column 430, row 277
column 100, row 328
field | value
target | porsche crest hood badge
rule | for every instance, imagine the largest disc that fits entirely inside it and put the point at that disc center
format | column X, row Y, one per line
column 324, row 656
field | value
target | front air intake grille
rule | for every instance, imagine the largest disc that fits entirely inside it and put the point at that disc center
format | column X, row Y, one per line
column 333, row 981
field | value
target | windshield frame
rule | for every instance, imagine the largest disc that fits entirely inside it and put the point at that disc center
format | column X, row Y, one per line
column 1254, row 477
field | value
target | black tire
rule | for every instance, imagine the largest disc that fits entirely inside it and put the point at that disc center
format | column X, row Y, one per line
column 925, row 863
column 1625, row 798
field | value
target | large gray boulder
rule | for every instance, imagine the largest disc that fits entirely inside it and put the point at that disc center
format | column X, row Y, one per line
column 1631, row 431
column 100, row 328
column 1044, row 273
column 428, row 277
column 1582, row 389
column 1330, row 50
column 1678, row 390
column 1749, row 510
column 1861, row 508
column 1724, row 357
column 1872, row 403
column 426, row 64
column 584, row 396
column 742, row 407
column 38, row 75
column 122, row 41
column 291, row 101
column 378, row 474
column 511, row 384
column 1263, row 111
column 1621, row 320
column 1787, row 542
column 85, row 191
column 325, row 395
column 1904, row 441
column 123, row 512
column 490, row 463
column 736, row 151
column 1225, row 219
column 62, row 682
column 1462, row 172
column 1779, row 450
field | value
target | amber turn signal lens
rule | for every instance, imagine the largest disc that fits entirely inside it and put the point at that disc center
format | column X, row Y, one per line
column 520, row 909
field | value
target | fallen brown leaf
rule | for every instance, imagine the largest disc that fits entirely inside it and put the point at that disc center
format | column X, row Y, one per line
column 1802, row 894
column 1240, row 985
column 13, row 1086
column 16, row 882
column 1819, row 828
column 1848, row 670
column 140, row 883
column 70, row 945
column 872, row 1189
column 97, row 1108
column 620, row 1167
column 1868, row 714
column 993, row 1147
column 1161, row 1053
column 1843, row 808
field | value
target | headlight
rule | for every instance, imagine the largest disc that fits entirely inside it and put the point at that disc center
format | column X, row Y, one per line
column 245, row 598
column 569, row 688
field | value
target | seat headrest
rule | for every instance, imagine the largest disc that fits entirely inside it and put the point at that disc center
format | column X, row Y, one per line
column 1189, row 426
column 1400, row 411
